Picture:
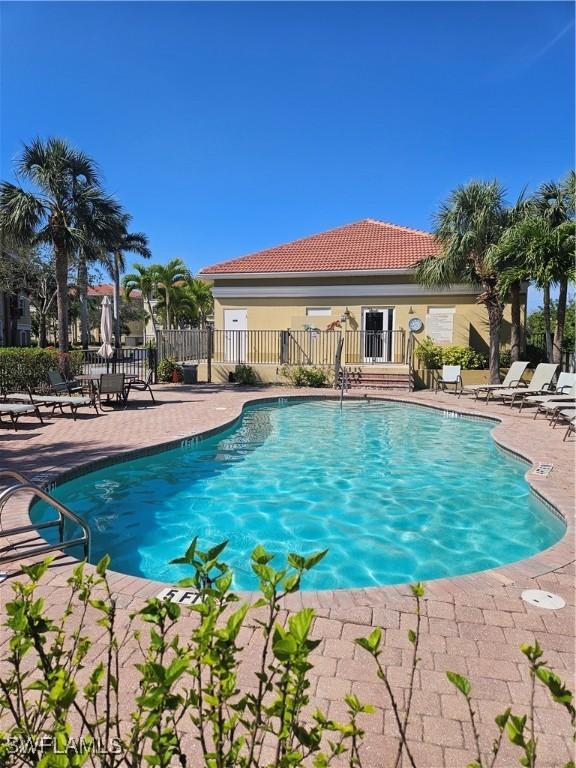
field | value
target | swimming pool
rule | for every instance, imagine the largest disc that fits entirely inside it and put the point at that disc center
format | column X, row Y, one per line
column 396, row 493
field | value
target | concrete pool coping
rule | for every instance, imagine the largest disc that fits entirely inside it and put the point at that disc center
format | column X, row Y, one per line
column 558, row 500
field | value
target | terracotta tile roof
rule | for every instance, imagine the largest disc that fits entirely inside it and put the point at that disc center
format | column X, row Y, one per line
column 107, row 289
column 365, row 245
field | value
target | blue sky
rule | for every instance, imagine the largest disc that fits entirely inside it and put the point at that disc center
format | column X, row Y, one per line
column 228, row 127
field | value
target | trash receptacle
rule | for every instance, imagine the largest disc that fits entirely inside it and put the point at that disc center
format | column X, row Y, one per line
column 190, row 373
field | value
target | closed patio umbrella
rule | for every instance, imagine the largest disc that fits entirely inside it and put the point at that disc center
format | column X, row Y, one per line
column 106, row 329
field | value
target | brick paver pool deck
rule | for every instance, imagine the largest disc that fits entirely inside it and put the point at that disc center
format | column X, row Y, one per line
column 471, row 624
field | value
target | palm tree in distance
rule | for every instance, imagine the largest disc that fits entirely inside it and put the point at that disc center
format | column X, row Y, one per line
column 467, row 225
column 167, row 277
column 120, row 243
column 555, row 203
column 143, row 279
column 65, row 182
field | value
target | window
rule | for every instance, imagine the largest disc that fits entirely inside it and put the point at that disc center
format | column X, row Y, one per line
column 318, row 311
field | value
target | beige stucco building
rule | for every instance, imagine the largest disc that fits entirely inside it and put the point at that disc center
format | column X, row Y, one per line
column 357, row 280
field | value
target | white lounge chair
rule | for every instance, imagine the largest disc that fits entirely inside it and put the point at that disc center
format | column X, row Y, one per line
column 565, row 392
column 563, row 414
column 555, row 410
column 512, row 379
column 571, row 428
column 450, row 375
column 541, row 383
column 15, row 410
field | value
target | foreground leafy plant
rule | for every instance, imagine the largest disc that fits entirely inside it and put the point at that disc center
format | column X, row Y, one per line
column 62, row 695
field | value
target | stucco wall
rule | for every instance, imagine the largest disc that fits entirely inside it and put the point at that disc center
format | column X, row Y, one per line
column 470, row 319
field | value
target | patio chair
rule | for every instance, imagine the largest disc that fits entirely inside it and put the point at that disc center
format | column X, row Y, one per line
column 15, row 410
column 59, row 384
column 571, row 428
column 541, row 383
column 54, row 401
column 512, row 379
column 112, row 387
column 142, row 385
column 561, row 413
column 450, row 375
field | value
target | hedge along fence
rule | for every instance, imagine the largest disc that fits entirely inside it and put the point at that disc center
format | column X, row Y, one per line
column 22, row 367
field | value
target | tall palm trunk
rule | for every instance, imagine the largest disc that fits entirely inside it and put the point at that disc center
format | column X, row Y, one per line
column 495, row 310
column 547, row 321
column 83, row 298
column 61, row 269
column 560, row 321
column 516, row 328
column 116, row 302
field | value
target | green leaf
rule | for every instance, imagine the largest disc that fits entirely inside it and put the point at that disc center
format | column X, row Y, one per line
column 502, row 719
column 284, row 648
column 102, row 566
column 213, row 553
column 412, row 636
column 260, row 556
column 314, row 559
column 296, row 561
column 300, row 624
column 417, row 589
column 372, row 642
column 462, row 683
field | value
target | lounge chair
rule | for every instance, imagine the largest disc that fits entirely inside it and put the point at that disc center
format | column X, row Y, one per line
column 571, row 428
column 59, row 384
column 541, row 383
column 565, row 392
column 112, row 386
column 512, row 379
column 141, row 385
column 450, row 375
column 15, row 410
column 562, row 413
column 54, row 401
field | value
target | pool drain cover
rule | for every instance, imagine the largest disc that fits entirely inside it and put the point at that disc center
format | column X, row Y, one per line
column 542, row 599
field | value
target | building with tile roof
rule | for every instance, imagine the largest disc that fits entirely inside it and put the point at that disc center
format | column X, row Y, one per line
column 358, row 280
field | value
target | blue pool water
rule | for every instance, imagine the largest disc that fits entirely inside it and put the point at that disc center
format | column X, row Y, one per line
column 395, row 492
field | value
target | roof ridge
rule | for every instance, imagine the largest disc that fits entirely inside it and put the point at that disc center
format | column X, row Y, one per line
column 400, row 226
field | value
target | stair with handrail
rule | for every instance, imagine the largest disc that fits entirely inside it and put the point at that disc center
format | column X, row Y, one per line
column 16, row 551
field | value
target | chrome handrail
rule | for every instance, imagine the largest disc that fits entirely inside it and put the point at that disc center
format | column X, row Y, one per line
column 343, row 382
column 25, row 485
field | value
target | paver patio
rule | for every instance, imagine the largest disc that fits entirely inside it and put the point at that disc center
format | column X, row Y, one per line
column 472, row 624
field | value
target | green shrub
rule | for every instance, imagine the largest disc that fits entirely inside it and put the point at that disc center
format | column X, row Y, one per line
column 505, row 359
column 169, row 370
column 305, row 376
column 466, row 357
column 22, row 367
column 429, row 354
column 245, row 374
column 433, row 356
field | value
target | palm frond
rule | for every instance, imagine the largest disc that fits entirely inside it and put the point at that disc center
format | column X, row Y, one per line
column 21, row 212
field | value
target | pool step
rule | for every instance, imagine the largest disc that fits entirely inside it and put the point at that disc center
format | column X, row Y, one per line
column 377, row 379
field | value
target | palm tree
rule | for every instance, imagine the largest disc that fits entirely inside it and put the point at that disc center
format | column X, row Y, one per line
column 467, row 225
column 99, row 229
column 123, row 242
column 167, row 277
column 201, row 292
column 143, row 280
column 555, row 203
column 66, row 181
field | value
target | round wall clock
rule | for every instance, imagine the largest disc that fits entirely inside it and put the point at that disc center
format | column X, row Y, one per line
column 415, row 324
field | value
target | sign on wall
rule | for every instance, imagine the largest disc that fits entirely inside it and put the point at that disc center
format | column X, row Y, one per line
column 440, row 324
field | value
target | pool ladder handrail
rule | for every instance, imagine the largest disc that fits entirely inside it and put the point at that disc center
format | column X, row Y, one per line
column 24, row 484
column 343, row 383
